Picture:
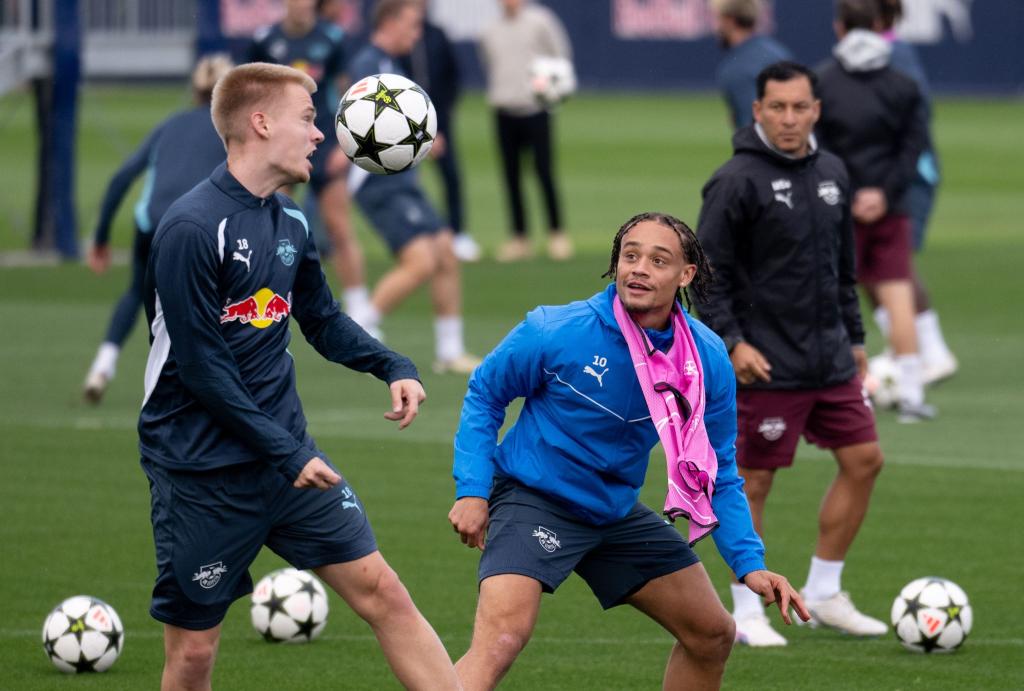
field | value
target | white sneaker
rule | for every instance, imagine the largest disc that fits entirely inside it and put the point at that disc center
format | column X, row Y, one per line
column 757, row 632
column 464, row 364
column 910, row 413
column 95, row 386
column 935, row 370
column 466, row 248
column 838, row 612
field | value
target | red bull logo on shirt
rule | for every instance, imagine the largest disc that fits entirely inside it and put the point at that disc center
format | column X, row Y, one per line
column 259, row 310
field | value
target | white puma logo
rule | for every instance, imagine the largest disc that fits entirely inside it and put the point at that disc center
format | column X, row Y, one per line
column 590, row 370
column 237, row 256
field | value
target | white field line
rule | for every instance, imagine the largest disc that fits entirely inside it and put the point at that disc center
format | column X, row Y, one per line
column 150, row 634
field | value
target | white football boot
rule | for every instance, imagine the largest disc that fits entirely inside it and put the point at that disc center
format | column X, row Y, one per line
column 838, row 612
column 757, row 632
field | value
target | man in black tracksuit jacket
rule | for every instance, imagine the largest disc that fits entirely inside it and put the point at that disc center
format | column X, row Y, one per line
column 870, row 118
column 776, row 228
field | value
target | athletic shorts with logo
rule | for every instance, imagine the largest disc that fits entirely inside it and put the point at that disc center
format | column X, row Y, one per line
column 771, row 422
column 534, row 536
column 209, row 526
column 884, row 249
column 398, row 215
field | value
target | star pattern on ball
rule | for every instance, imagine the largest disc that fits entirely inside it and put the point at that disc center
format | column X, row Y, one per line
column 83, row 664
column 113, row 640
column 368, row 147
column 305, row 628
column 383, row 98
column 418, row 135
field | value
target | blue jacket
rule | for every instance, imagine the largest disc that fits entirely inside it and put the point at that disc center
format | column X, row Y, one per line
column 584, row 435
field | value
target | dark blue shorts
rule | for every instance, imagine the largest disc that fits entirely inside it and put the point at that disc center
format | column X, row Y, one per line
column 399, row 216
column 209, row 526
column 533, row 536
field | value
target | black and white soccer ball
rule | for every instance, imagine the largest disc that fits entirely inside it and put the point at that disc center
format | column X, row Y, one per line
column 289, row 606
column 386, row 123
column 932, row 615
column 83, row 634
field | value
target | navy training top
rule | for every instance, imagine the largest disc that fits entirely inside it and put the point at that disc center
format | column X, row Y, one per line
column 226, row 271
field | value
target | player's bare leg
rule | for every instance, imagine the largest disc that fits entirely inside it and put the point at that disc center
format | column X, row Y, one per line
column 846, row 502
column 842, row 512
column 417, row 263
column 506, row 613
column 686, row 604
column 374, row 592
column 347, row 257
column 898, row 299
column 188, row 658
column 446, row 287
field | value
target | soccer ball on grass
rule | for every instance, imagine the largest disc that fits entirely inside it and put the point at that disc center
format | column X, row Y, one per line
column 932, row 615
column 83, row 634
column 386, row 123
column 289, row 606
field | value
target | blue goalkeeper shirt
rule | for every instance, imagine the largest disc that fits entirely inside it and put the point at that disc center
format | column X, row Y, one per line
column 226, row 272
column 584, row 435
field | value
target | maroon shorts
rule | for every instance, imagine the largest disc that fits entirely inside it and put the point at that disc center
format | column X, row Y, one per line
column 771, row 422
column 883, row 249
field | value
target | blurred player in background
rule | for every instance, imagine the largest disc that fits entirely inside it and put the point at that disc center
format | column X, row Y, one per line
column 870, row 118
column 316, row 46
column 560, row 492
column 400, row 212
column 777, row 230
column 176, row 156
column 747, row 53
column 433, row 65
column 524, row 32
column 222, row 433
column 937, row 361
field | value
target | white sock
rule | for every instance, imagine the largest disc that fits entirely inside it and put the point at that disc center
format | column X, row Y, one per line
column 448, row 338
column 929, row 337
column 823, row 579
column 356, row 300
column 910, row 379
column 881, row 316
column 745, row 602
column 105, row 362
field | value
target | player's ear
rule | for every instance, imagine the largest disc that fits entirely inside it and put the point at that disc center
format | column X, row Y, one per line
column 756, row 110
column 689, row 272
column 260, row 124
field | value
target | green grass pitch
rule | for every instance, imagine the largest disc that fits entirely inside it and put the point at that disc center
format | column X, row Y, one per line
column 75, row 503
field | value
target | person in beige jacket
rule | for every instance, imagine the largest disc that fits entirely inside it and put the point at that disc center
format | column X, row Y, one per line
column 509, row 47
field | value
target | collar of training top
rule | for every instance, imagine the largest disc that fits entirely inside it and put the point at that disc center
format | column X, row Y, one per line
column 227, row 183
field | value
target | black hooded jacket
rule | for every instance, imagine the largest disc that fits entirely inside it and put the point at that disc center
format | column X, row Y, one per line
column 778, row 233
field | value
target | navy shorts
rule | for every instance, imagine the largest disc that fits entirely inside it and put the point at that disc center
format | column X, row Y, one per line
column 533, row 536
column 399, row 216
column 209, row 526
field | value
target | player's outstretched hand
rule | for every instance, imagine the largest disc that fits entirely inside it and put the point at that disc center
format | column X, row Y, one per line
column 774, row 587
column 469, row 517
column 99, row 258
column 406, row 396
column 316, row 474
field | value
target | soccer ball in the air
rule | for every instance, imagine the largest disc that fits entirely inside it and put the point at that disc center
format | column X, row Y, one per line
column 882, row 382
column 551, row 79
column 289, row 606
column 386, row 123
column 83, row 634
column 931, row 615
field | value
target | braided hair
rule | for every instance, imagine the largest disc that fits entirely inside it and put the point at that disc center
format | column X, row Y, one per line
column 692, row 253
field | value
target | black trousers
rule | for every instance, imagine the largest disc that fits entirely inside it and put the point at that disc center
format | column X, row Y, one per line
column 518, row 132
